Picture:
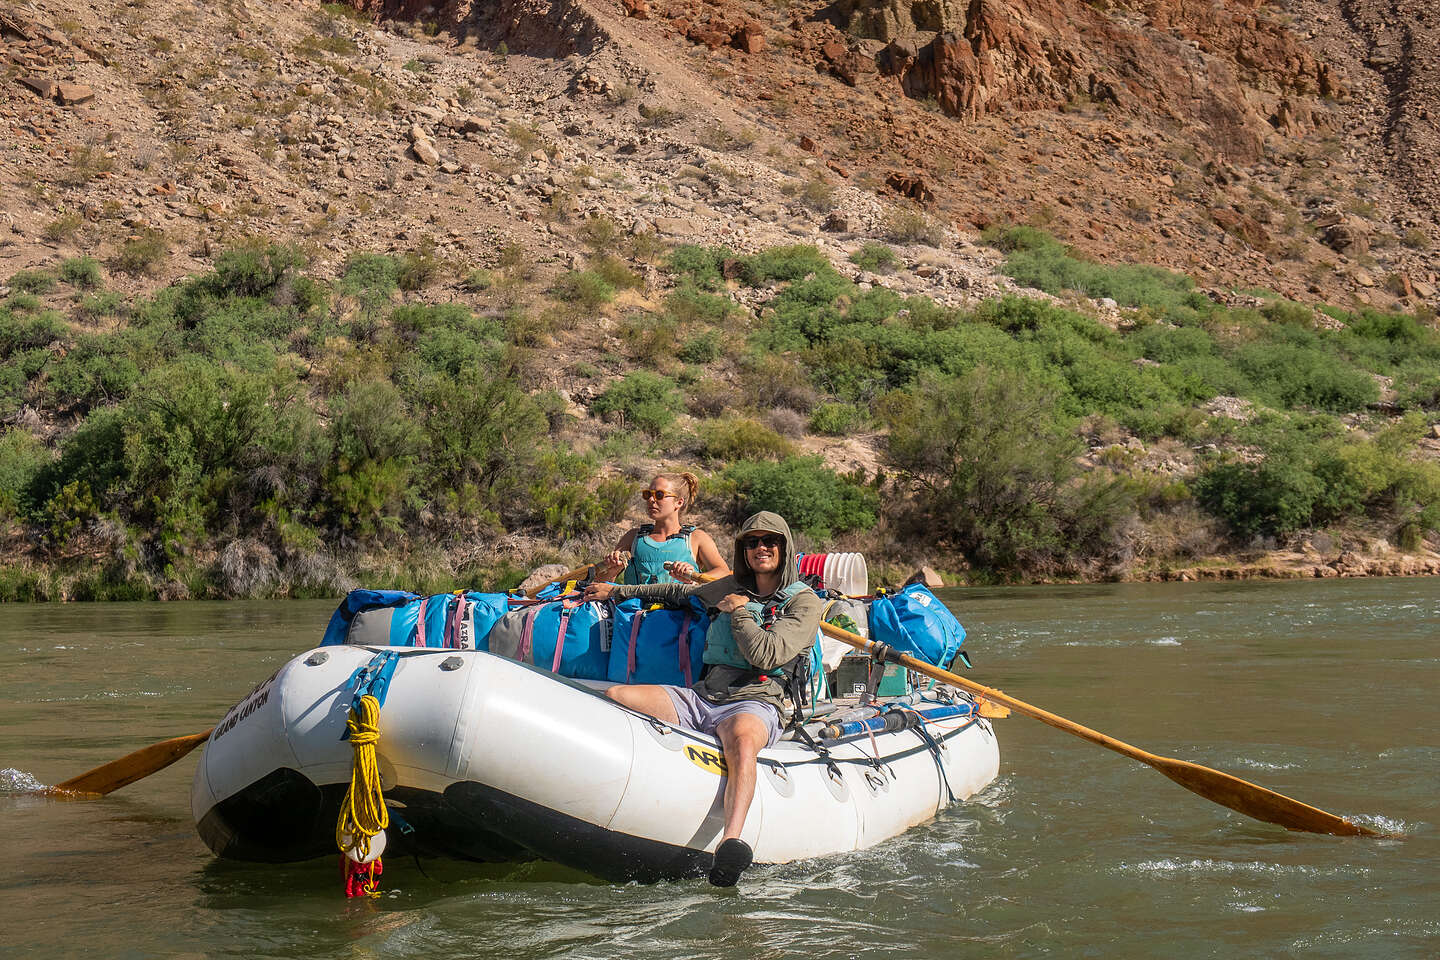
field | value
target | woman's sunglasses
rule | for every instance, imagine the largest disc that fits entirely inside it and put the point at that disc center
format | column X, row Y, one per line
column 771, row 540
column 648, row 495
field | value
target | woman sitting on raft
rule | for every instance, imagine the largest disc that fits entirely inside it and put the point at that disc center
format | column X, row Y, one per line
column 666, row 543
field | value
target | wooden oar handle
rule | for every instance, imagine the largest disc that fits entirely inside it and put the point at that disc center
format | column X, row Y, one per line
column 590, row 571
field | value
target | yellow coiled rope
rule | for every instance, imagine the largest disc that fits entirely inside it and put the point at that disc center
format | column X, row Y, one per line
column 362, row 813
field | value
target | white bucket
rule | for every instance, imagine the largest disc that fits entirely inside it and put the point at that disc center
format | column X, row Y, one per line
column 847, row 573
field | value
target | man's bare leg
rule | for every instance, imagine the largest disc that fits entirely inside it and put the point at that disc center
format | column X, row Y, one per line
column 647, row 698
column 742, row 737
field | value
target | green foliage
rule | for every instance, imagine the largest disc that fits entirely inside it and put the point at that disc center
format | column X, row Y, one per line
column 613, row 271
column 689, row 304
column 741, row 438
column 143, row 254
column 642, row 399
column 373, row 277
column 1039, row 260
column 22, row 456
column 1305, row 480
column 995, row 464
column 702, row 267
column 254, row 271
column 82, row 272
column 783, row 264
column 702, row 348
column 1294, row 374
column 876, row 258
column 812, row 498
column 561, row 497
column 583, row 288
column 838, row 419
column 32, row 281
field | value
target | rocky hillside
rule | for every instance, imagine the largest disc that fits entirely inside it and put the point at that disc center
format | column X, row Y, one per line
column 1284, row 146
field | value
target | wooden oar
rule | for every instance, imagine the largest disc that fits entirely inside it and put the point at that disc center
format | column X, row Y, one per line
column 1229, row 791
column 131, row 767
column 590, row 571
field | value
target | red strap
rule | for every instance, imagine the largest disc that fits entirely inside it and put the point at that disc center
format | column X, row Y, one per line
column 560, row 638
column 634, row 635
column 420, row 625
column 685, row 650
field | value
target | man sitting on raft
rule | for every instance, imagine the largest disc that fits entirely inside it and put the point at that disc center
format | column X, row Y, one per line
column 764, row 619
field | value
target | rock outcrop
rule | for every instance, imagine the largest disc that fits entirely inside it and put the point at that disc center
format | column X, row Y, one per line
column 1225, row 68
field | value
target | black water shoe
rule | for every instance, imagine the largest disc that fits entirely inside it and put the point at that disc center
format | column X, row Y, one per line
column 731, row 859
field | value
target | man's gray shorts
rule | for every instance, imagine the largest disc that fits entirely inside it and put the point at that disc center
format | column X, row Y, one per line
column 697, row 713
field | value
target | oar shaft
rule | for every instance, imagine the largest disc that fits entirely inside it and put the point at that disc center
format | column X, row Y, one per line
column 991, row 694
column 1225, row 789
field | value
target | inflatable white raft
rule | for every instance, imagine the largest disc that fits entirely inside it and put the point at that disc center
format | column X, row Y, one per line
column 486, row 758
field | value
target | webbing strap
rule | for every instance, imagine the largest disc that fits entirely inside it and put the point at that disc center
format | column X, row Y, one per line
column 684, row 645
column 373, row 678
column 934, row 746
column 527, row 635
column 634, row 636
column 420, row 624
column 820, row 750
column 560, row 638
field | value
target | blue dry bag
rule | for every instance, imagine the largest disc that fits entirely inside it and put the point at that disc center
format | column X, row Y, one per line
column 661, row 645
column 914, row 621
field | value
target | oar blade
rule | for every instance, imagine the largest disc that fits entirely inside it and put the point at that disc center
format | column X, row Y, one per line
column 1255, row 801
column 131, row 767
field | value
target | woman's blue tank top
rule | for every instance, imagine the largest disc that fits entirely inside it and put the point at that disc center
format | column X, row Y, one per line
column 648, row 558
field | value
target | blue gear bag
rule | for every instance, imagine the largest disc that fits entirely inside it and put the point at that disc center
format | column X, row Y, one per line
column 914, row 621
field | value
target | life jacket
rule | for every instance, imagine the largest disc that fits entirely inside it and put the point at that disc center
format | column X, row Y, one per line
column 648, row 558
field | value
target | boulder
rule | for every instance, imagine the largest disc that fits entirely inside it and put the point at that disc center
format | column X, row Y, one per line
column 69, row 94
column 750, row 38
column 425, row 152
column 928, row 577
column 542, row 575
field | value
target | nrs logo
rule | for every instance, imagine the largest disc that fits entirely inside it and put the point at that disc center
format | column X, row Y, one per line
column 710, row 761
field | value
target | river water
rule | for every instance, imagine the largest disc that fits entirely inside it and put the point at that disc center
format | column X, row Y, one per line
column 1324, row 691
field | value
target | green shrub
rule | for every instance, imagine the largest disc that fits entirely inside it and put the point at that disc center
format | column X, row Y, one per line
column 32, row 281
column 838, row 419
column 143, row 254
column 876, row 258
column 583, row 288
column 83, row 272
column 812, row 498
column 649, row 338
column 912, row 226
column 373, row 277
column 254, row 271
column 614, row 271
column 478, row 281
column 689, row 304
column 1292, row 375
column 642, row 399
column 702, row 267
column 779, row 264
column 418, row 269
column 741, row 438
column 702, row 348
column 106, row 304
column 996, row 468
column 22, row 456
